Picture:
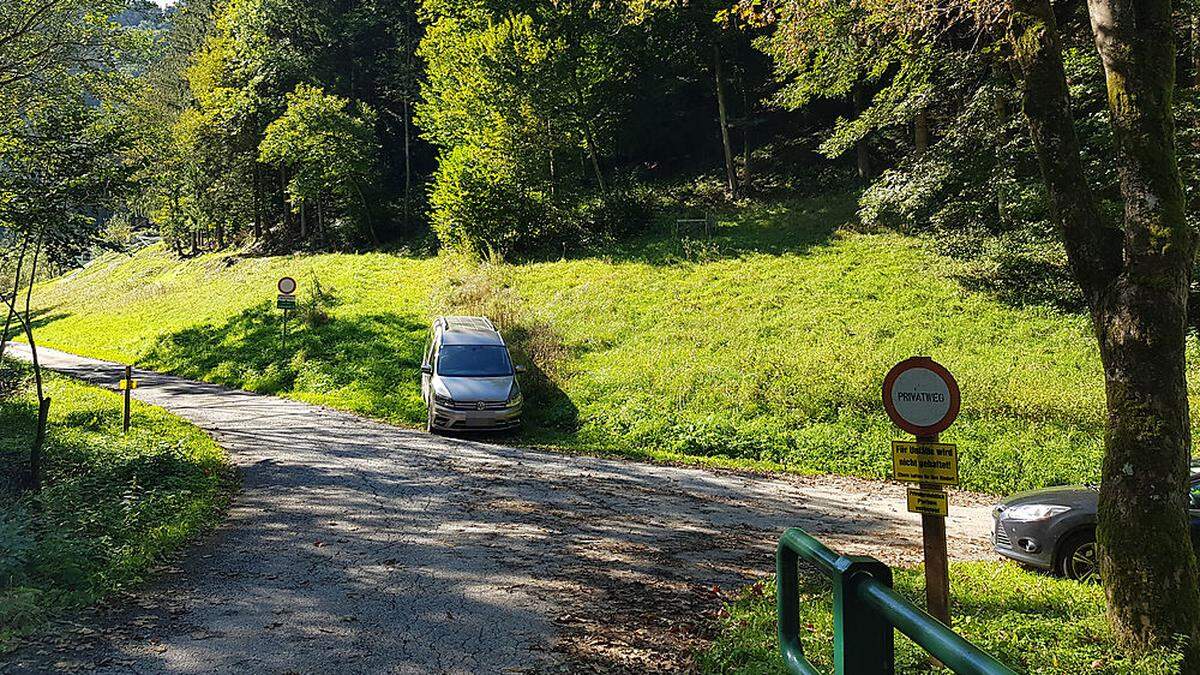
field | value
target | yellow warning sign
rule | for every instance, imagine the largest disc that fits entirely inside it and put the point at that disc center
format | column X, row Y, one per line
column 928, row 502
column 914, row 462
column 127, row 384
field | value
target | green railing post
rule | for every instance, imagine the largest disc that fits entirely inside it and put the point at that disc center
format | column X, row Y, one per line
column 866, row 611
column 863, row 640
column 787, row 604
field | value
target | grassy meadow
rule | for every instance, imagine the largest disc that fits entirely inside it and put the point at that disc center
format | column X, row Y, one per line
column 112, row 506
column 764, row 344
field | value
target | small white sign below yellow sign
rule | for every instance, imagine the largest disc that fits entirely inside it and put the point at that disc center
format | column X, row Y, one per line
column 927, row 502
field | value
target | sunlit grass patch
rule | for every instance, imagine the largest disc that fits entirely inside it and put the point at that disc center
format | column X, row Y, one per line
column 763, row 344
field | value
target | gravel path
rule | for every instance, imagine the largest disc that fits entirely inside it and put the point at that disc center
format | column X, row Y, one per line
column 357, row 546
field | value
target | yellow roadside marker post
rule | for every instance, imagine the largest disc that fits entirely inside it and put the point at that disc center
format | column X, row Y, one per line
column 127, row 386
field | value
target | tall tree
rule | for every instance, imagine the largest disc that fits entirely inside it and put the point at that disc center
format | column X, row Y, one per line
column 1136, row 278
column 63, row 64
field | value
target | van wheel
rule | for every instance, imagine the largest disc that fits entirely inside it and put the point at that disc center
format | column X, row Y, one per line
column 1077, row 558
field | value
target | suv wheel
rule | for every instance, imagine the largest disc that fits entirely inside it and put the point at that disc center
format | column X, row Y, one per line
column 1077, row 558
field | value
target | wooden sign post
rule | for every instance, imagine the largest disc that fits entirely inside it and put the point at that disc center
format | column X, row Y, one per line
column 923, row 398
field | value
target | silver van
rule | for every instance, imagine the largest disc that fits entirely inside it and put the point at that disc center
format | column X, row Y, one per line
column 468, row 380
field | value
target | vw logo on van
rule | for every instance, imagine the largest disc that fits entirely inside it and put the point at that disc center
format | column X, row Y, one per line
column 480, row 405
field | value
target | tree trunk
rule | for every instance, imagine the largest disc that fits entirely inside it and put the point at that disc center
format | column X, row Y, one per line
column 861, row 149
column 1196, row 51
column 1136, row 283
column 35, row 451
column 1151, row 588
column 1093, row 247
column 722, row 116
column 589, row 136
column 408, row 74
column 594, row 154
column 321, row 222
column 745, row 140
column 258, row 217
column 366, row 207
column 303, row 223
column 39, row 440
column 284, row 205
column 550, row 156
column 407, row 168
column 921, row 132
column 12, row 306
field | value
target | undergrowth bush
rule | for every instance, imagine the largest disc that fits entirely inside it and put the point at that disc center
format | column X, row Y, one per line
column 479, row 290
column 480, row 201
column 12, row 379
column 317, row 304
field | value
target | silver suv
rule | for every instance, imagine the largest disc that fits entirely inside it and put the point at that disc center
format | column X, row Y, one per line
column 468, row 380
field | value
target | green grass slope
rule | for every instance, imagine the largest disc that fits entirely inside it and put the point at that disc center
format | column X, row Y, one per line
column 111, row 507
column 764, row 344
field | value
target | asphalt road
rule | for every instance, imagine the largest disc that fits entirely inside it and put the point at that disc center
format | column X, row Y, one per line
column 362, row 547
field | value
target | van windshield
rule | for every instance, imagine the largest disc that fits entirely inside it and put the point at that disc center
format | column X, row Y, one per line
column 473, row 361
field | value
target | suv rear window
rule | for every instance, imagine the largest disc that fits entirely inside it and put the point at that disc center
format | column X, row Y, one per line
column 473, row 361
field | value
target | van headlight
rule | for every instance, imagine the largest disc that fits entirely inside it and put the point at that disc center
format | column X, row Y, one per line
column 514, row 395
column 1028, row 513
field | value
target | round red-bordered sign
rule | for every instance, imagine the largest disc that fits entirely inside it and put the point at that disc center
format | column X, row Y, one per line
column 921, row 396
column 287, row 285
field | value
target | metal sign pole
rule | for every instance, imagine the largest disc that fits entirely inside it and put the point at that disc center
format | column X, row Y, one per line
column 285, row 302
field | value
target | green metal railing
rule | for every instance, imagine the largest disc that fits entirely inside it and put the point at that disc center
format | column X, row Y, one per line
column 865, row 610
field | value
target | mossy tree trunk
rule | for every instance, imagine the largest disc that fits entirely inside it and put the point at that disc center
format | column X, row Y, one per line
column 1136, row 279
column 1152, row 588
column 921, row 131
column 1195, row 47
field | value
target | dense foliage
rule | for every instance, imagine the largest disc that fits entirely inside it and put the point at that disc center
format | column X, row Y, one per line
column 524, row 128
column 62, row 63
column 285, row 121
column 547, row 116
